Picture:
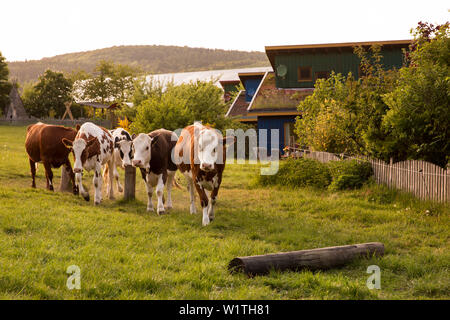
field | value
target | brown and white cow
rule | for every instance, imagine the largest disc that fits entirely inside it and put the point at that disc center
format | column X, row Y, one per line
column 92, row 147
column 152, row 154
column 43, row 144
column 200, row 156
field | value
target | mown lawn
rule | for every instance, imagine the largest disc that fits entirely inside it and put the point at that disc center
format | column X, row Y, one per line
column 126, row 253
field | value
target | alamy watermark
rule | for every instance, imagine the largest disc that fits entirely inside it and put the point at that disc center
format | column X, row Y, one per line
column 252, row 145
column 74, row 280
column 374, row 281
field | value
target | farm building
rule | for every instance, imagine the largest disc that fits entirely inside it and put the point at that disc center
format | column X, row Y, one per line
column 229, row 87
column 250, row 81
column 296, row 69
column 227, row 76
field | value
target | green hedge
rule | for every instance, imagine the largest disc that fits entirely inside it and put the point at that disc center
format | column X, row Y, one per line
column 348, row 174
column 299, row 173
column 334, row 175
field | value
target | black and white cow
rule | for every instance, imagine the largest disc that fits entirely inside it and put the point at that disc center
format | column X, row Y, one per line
column 152, row 154
column 123, row 154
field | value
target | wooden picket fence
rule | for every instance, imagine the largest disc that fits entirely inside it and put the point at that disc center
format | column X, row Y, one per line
column 423, row 179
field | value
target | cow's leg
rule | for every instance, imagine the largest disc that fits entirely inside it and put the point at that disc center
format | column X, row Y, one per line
column 204, row 202
column 48, row 175
column 190, row 186
column 68, row 167
column 33, row 173
column 160, row 194
column 212, row 203
column 169, row 184
column 150, row 181
column 79, row 182
column 117, row 177
column 105, row 175
column 112, row 173
column 98, row 182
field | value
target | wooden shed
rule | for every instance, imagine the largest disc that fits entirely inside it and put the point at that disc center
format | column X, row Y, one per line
column 15, row 109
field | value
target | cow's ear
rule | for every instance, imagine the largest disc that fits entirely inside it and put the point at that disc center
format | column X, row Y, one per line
column 77, row 127
column 92, row 147
column 154, row 139
column 67, row 143
column 229, row 141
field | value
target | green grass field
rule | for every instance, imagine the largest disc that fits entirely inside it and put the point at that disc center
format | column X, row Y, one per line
column 126, row 253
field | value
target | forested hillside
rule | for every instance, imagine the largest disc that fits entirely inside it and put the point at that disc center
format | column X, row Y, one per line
column 150, row 59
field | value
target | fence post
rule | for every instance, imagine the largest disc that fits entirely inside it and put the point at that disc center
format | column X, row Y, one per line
column 130, row 183
column 391, row 162
column 65, row 184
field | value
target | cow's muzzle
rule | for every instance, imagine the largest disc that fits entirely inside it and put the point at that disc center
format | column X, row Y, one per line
column 137, row 163
column 206, row 167
column 77, row 170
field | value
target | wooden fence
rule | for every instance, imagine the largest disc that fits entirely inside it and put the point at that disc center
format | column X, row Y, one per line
column 423, row 179
column 66, row 122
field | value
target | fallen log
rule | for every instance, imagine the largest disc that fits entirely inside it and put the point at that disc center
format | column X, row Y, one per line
column 314, row 259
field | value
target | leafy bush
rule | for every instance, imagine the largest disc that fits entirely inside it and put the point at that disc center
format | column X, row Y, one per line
column 336, row 175
column 299, row 173
column 181, row 105
column 346, row 181
column 348, row 174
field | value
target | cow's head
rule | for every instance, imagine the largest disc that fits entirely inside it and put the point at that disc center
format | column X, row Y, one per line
column 125, row 148
column 82, row 150
column 142, row 147
column 211, row 148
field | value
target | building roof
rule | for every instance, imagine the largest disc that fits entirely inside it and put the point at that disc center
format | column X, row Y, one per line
column 239, row 108
column 14, row 109
column 222, row 82
column 270, row 100
column 239, row 105
column 99, row 105
column 216, row 75
column 272, row 51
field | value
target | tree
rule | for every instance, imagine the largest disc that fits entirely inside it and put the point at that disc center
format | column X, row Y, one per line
column 179, row 106
column 48, row 95
column 328, row 116
column 419, row 107
column 122, row 82
column 109, row 83
column 5, row 85
column 168, row 111
column 99, row 88
column 344, row 115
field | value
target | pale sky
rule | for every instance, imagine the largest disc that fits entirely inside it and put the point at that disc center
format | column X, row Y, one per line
column 44, row 28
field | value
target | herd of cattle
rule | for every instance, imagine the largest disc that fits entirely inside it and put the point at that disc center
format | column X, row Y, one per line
column 199, row 153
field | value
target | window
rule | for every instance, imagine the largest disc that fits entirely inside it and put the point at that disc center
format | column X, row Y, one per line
column 304, row 74
column 322, row 75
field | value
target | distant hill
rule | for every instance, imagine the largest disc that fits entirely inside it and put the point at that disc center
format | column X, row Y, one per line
column 150, row 59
